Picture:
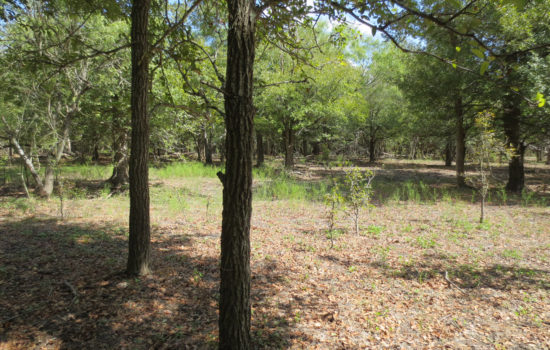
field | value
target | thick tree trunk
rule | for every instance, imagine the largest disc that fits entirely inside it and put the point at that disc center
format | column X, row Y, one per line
column 288, row 137
column 372, row 150
column 234, row 321
column 516, row 174
column 259, row 149
column 140, row 230
column 460, row 143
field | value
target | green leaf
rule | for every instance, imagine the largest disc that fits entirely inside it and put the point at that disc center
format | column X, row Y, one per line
column 540, row 99
column 373, row 31
column 478, row 53
column 454, row 65
column 457, row 49
column 519, row 4
column 483, row 67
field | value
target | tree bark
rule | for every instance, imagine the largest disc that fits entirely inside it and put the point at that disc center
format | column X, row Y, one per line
column 207, row 148
column 548, row 155
column 140, row 230
column 372, row 150
column 234, row 321
column 29, row 166
column 120, row 176
column 449, row 153
column 259, row 149
column 288, row 137
column 516, row 174
column 305, row 150
column 460, row 143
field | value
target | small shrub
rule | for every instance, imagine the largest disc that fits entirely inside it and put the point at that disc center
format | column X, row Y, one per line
column 333, row 203
column 359, row 192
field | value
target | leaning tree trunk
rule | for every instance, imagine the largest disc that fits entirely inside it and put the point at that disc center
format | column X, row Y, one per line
column 28, row 164
column 140, row 230
column 516, row 174
column 259, row 149
column 288, row 137
column 234, row 321
column 460, row 143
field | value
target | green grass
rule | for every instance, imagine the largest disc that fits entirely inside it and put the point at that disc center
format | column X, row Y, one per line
column 84, row 171
column 286, row 188
column 185, row 170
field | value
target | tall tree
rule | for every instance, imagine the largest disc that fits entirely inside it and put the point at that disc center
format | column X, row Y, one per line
column 234, row 319
column 140, row 228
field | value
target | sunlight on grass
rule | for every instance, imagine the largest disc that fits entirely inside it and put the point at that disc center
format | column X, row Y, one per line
column 182, row 170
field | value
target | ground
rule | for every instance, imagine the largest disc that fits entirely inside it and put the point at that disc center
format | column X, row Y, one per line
column 422, row 273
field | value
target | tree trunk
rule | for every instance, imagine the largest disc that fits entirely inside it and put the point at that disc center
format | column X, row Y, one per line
column 538, row 153
column 413, row 148
column 29, row 166
column 259, row 149
column 120, row 176
column 199, row 148
column 372, row 150
column 548, row 156
column 95, row 153
column 288, row 137
column 222, row 153
column 316, row 148
column 208, row 148
column 460, row 143
column 449, row 153
column 516, row 175
column 140, row 230
column 305, row 150
column 234, row 321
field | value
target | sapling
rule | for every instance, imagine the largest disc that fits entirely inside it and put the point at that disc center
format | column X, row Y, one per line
column 333, row 203
column 485, row 147
column 359, row 192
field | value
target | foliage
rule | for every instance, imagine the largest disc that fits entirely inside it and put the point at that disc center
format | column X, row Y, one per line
column 358, row 193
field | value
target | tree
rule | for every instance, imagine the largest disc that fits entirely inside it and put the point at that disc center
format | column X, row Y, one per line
column 140, row 229
column 234, row 319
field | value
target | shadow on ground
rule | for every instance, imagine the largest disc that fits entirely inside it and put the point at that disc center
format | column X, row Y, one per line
column 61, row 286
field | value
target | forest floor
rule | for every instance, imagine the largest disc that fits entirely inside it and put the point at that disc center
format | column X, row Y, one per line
column 423, row 273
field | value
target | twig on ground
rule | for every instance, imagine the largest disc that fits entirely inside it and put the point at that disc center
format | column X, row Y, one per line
column 452, row 284
column 73, row 290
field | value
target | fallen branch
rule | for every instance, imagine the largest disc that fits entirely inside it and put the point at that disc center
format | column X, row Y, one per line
column 73, row 290
column 452, row 284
